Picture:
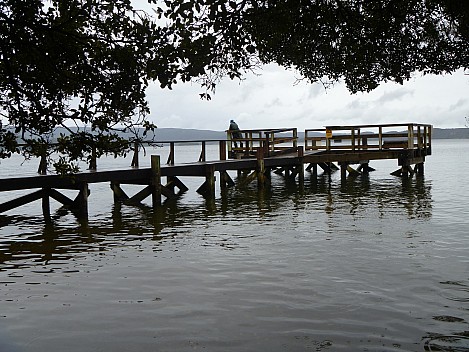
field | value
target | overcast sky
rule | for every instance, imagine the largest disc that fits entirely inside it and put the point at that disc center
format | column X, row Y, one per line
column 272, row 100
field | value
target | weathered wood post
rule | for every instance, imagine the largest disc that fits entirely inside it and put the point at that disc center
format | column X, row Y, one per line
column 155, row 181
column 210, row 181
column 171, row 154
column 202, row 156
column 419, row 169
column 343, row 171
column 222, row 150
column 410, row 136
column 81, row 201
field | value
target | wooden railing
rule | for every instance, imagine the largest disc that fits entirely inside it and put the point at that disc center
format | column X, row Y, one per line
column 370, row 137
column 246, row 143
column 135, row 149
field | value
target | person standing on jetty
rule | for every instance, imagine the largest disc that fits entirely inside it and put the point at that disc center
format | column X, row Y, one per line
column 235, row 132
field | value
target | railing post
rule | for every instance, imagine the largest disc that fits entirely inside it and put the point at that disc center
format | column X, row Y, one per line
column 295, row 137
column 265, row 146
column 419, row 138
column 202, row 152
column 171, row 154
column 380, row 138
column 410, row 136
column 229, row 142
column 222, row 150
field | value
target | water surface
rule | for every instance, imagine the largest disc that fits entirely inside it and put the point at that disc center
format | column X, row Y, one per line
column 378, row 263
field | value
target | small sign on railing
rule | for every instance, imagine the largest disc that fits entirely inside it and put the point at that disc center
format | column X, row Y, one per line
column 328, row 133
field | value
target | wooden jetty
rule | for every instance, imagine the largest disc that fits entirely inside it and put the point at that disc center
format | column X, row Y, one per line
column 253, row 154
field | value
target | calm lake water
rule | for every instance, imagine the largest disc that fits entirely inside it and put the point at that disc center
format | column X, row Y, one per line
column 379, row 263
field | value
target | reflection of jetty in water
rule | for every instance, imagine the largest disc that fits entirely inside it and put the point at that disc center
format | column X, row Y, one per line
column 127, row 225
column 388, row 196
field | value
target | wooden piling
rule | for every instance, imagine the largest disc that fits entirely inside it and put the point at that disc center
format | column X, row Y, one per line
column 419, row 168
column 260, row 170
column 81, row 201
column 343, row 170
column 46, row 206
column 210, row 179
column 155, row 182
column 301, row 170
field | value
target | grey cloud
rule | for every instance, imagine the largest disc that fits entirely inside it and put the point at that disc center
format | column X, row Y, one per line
column 459, row 104
column 394, row 95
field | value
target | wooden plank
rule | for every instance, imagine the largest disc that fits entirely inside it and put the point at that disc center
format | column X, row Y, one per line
column 17, row 202
column 59, row 197
column 140, row 196
column 118, row 192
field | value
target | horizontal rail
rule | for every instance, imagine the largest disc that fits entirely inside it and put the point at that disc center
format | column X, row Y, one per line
column 247, row 143
column 370, row 137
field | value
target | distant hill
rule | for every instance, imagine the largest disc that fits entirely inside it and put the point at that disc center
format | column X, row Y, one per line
column 182, row 134
column 187, row 134
column 450, row 133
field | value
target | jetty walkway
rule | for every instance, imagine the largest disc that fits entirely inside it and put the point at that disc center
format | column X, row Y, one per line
column 254, row 155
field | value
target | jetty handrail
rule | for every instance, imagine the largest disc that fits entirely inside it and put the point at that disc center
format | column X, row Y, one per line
column 246, row 143
column 135, row 149
column 369, row 137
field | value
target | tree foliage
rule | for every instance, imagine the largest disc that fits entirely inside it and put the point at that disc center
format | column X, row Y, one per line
column 88, row 63
column 81, row 63
column 360, row 42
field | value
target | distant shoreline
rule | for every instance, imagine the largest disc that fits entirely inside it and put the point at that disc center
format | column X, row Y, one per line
column 186, row 134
